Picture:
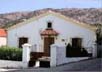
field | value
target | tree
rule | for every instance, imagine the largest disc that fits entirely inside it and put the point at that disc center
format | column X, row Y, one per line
column 99, row 34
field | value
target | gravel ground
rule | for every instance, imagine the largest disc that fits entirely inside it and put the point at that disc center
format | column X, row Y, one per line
column 85, row 65
column 10, row 64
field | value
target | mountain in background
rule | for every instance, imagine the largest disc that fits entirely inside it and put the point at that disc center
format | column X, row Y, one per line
column 87, row 15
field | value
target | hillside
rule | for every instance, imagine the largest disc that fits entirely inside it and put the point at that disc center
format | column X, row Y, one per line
column 89, row 16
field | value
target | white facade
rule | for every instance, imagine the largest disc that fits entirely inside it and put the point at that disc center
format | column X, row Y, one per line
column 3, row 41
column 65, row 28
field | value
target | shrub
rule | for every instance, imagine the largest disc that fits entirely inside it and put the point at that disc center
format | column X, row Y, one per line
column 75, row 52
column 68, row 50
column 10, row 53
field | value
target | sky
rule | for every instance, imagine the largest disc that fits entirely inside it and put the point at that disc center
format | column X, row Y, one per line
column 7, row 6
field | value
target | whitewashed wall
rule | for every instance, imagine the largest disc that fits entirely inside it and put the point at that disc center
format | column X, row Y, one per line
column 66, row 30
column 3, row 41
column 26, row 54
column 58, row 55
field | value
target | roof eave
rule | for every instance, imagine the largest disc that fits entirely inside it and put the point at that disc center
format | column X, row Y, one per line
column 58, row 15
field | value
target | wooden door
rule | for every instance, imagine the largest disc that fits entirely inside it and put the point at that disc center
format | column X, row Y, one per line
column 47, row 43
column 22, row 41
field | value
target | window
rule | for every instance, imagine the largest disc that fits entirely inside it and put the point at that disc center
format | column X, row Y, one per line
column 49, row 25
column 77, row 42
column 22, row 40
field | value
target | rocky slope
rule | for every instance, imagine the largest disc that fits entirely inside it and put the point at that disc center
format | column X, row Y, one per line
column 89, row 16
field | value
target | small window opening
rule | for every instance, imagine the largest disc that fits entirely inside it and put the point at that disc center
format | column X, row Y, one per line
column 49, row 25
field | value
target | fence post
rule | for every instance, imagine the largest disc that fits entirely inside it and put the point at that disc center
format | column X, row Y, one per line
column 53, row 55
column 94, row 53
column 26, row 54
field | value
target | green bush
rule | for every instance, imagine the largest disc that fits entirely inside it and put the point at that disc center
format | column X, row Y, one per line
column 10, row 53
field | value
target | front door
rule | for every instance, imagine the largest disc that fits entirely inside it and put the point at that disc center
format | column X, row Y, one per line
column 47, row 43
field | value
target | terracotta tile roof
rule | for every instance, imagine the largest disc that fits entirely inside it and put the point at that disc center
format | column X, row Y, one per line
column 3, row 33
column 49, row 32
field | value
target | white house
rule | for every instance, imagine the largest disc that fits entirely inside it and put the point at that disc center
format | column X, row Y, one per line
column 3, row 38
column 49, row 28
